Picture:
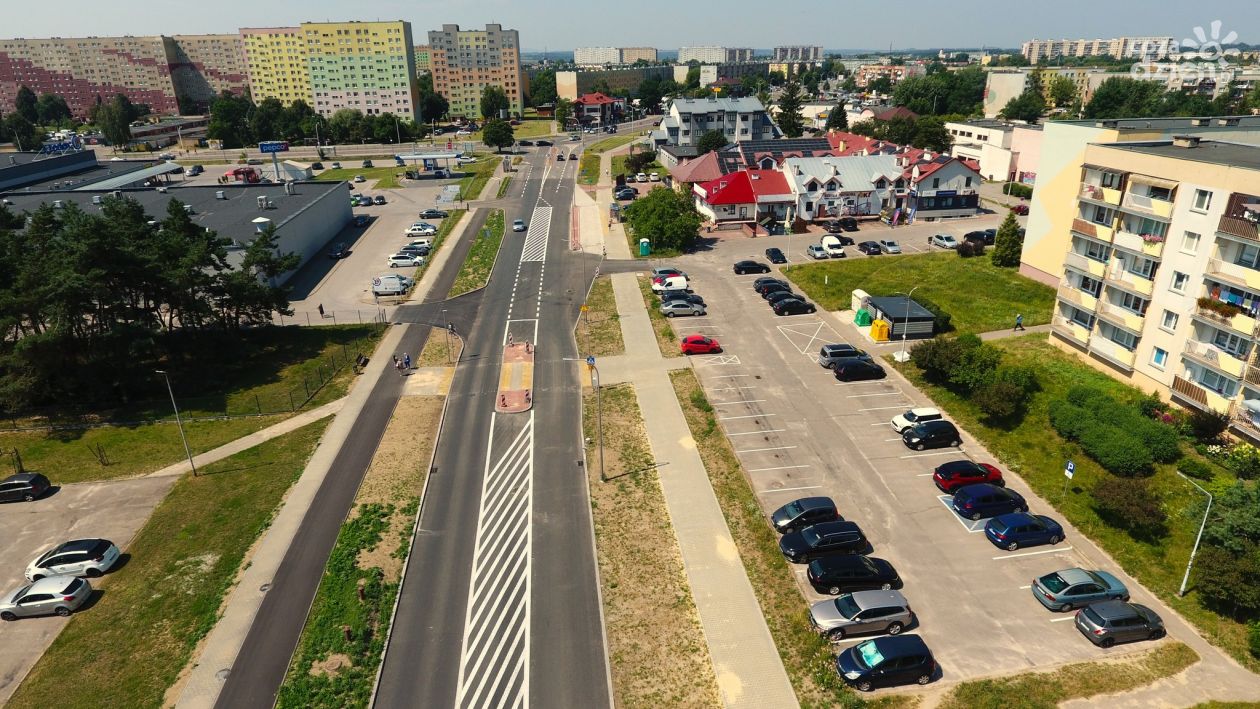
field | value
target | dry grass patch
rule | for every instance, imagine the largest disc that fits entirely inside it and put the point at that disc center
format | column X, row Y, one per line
column 600, row 327
column 666, row 338
column 656, row 646
column 441, row 350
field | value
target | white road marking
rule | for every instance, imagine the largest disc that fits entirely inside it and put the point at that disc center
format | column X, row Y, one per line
column 535, row 247
column 882, row 393
column 781, row 467
column 759, row 450
column 1032, row 553
column 882, row 408
column 791, row 489
column 924, row 455
column 741, row 401
column 1025, row 588
column 753, row 433
column 750, row 416
column 1062, row 620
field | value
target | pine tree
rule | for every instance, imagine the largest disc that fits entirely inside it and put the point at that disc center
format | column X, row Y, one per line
column 1009, row 244
column 791, row 122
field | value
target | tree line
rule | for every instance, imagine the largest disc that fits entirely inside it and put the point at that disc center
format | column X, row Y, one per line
column 91, row 303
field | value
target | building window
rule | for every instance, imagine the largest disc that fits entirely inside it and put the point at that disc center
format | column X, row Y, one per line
column 936, row 182
column 1133, row 303
column 1097, row 251
column 1233, row 344
column 1091, row 286
column 1159, row 358
column 1179, row 281
column 1169, row 322
column 1190, row 243
column 1202, row 201
column 1111, row 180
column 967, row 183
column 1102, row 215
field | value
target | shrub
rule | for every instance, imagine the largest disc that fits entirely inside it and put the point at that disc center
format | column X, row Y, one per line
column 1207, row 425
column 1129, row 504
column 967, row 249
column 1253, row 638
column 1162, row 441
column 1229, row 583
column 1195, row 468
column 938, row 358
column 998, row 399
column 1016, row 189
column 1115, row 450
column 1068, row 419
column 1244, row 460
column 976, row 367
column 1152, row 406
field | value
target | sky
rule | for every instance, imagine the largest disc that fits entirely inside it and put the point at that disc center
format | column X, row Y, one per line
column 669, row 24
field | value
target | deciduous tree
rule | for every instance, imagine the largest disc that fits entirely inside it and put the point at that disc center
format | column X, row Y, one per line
column 498, row 134
column 493, row 100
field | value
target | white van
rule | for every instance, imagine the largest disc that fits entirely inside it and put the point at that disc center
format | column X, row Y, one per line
column 391, row 284
column 670, row 283
column 832, row 246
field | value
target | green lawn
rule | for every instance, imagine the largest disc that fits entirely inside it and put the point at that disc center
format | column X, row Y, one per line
column 129, row 647
column 599, row 329
column 619, row 166
column 387, row 177
column 1037, row 454
column 503, row 186
column 612, row 143
column 588, row 172
column 480, row 261
column 980, row 296
column 478, row 174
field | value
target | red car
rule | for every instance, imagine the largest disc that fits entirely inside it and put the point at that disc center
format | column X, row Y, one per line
column 957, row 473
column 1020, row 209
column 699, row 344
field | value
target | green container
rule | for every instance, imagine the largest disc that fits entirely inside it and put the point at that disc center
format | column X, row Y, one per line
column 645, row 247
column 862, row 318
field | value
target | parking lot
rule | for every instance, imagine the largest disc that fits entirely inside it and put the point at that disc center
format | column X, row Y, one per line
column 912, row 238
column 109, row 510
column 798, row 432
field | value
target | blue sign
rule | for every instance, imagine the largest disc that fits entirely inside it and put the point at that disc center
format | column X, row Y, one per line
column 1070, row 469
column 590, row 360
column 946, row 193
column 274, row 146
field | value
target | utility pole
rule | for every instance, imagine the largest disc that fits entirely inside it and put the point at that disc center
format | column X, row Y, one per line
column 179, row 422
column 1195, row 551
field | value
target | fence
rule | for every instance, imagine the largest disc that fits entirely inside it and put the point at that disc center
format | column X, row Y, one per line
column 315, row 318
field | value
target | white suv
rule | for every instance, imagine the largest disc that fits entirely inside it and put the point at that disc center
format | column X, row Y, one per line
column 901, row 422
column 78, row 557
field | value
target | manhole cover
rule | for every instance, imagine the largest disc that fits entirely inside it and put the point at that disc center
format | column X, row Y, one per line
column 265, row 588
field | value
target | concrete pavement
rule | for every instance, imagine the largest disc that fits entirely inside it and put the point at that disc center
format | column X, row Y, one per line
column 747, row 664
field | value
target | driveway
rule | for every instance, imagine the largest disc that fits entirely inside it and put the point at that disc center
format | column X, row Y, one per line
column 112, row 510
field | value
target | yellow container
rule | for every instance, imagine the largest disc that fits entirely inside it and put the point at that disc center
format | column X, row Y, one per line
column 880, row 330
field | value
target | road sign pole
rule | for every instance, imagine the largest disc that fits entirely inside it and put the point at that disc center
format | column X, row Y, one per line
column 1068, row 471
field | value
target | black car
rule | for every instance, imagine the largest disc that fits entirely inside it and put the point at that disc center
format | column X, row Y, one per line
column 367, row 163
column 560, row 157
column 982, row 500
column 338, row 251
column 674, row 294
column 543, row 143
column 870, row 248
column 745, row 267
column 776, row 296
column 881, row 662
column 857, row 370
column 848, row 223
column 983, row 236
column 842, row 574
column 766, row 281
column 931, row 434
column 833, row 227
column 804, row 512
column 627, row 193
column 793, row 306
column 314, row 166
column 378, row 200
column 776, row 255
column 823, row 539
column 524, row 142
column 769, row 288
column 433, row 214
column 23, row 486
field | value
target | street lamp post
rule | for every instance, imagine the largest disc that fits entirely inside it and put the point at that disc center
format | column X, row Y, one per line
column 1194, row 552
column 599, row 409
column 179, row 422
column 902, row 356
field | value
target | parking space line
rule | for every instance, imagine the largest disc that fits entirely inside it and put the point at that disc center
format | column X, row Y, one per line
column 920, row 475
column 758, row 450
column 924, row 455
column 733, row 375
column 881, row 423
column 791, row 489
column 1061, row 620
column 882, row 393
column 729, row 388
column 750, row 416
column 1025, row 588
column 882, row 408
column 781, row 467
column 886, row 440
column 968, row 525
column 741, row 401
column 753, row 433
column 1032, row 553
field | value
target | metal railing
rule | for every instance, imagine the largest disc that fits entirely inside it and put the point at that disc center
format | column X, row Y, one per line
column 316, row 318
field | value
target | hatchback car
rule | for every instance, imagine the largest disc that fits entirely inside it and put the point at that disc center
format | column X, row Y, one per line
column 816, row 251
column 959, row 473
column 776, row 255
column 902, row 421
column 378, row 200
column 77, row 557
column 1020, row 209
column 744, row 267
column 197, row 170
column 1020, row 529
column 641, row 177
column 359, row 178
column 699, row 344
column 847, row 573
column 931, row 434
column 882, row 662
column 1111, row 622
column 61, row 595
column 518, row 225
column 655, row 177
column 861, row 612
column 870, row 248
column 848, row 224
column 433, row 214
column 945, row 241
column 23, row 486
column 404, row 260
column 982, row 500
column 674, row 308
column 338, row 251
column 675, row 294
column 832, row 354
column 627, row 193
column 367, row 163
column 793, row 306
column 1075, row 588
column 856, row 370
column 889, row 246
column 802, row 513
column 823, row 539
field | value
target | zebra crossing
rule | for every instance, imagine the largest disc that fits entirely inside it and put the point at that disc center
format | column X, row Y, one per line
column 535, row 248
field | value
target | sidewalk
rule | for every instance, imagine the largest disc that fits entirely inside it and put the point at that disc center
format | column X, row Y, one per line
column 745, row 660
column 614, row 234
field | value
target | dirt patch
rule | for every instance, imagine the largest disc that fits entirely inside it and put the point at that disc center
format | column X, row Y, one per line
column 440, row 350
column 599, row 329
column 331, row 666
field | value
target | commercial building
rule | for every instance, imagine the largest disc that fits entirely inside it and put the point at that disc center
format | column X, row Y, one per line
column 596, row 56
column 914, row 182
column 739, row 119
column 365, row 66
column 714, row 55
column 1003, row 150
column 800, row 53
column 630, row 55
column 466, row 61
column 1039, row 50
column 277, row 64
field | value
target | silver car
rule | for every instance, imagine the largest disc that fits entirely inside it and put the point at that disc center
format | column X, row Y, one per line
column 861, row 612
column 61, row 595
column 944, row 241
column 889, row 246
column 816, row 251
column 78, row 557
column 681, row 307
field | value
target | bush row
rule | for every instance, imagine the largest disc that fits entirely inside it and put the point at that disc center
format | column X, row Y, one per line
column 1111, row 447
column 1160, row 439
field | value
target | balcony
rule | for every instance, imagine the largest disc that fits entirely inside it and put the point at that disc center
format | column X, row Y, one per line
column 1131, row 281
column 1234, row 273
column 1241, row 217
column 1140, row 244
column 1098, row 193
column 1199, row 397
column 1071, row 330
column 1214, row 357
column 1113, row 352
column 1077, row 297
column 1084, row 264
column 1122, row 317
column 1241, row 323
column 1102, row 232
column 1147, row 206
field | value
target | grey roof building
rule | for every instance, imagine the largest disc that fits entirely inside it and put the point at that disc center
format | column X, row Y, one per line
column 739, row 119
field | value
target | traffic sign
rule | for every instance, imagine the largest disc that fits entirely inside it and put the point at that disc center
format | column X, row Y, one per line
column 590, row 360
column 274, row 146
column 585, row 308
column 1070, row 469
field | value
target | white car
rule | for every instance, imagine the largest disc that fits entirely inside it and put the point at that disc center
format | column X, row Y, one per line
column 404, row 260
column 518, row 225
column 901, row 422
column 641, row 177
column 463, row 132
column 655, row 177
column 816, row 251
column 420, row 230
column 78, row 557
column 425, row 242
column 889, row 246
column 945, row 241
column 466, row 160
column 359, row 178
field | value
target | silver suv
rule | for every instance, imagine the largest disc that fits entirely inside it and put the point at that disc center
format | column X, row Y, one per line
column 831, row 355
column 861, row 612
column 56, row 594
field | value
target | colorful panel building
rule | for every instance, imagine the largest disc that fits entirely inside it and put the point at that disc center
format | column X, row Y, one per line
column 204, row 66
column 466, row 61
column 366, row 66
column 276, row 60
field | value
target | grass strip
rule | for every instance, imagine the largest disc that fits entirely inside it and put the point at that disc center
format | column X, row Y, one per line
column 600, row 328
column 387, row 177
column 612, row 143
column 478, row 174
column 441, row 349
column 665, row 337
column 475, row 271
column 503, row 186
column 130, row 646
column 588, row 171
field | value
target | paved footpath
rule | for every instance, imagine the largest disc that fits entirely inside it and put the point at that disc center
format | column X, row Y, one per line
column 747, row 664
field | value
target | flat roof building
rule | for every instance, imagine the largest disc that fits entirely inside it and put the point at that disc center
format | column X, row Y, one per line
column 366, row 66
column 466, row 61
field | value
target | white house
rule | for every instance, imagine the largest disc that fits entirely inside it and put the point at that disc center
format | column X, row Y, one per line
column 841, row 186
column 739, row 119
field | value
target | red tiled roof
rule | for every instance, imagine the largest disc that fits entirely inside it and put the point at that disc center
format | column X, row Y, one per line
column 768, row 182
column 594, row 99
column 702, row 169
column 735, row 188
column 894, row 112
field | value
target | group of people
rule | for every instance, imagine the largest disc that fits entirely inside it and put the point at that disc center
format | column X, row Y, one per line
column 403, row 365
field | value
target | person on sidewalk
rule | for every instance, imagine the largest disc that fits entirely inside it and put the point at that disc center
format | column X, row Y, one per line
column 406, row 360
column 1019, row 322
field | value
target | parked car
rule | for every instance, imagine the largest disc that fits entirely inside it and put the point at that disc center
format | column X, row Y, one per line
column 359, row 178
column 60, row 595
column 655, row 177
column 902, row 421
column 421, row 229
column 870, row 248
column 378, row 199
column 338, row 251
column 661, row 283
column 847, row 573
column 979, row 237
column 627, row 193
column 77, row 557
column 833, row 227
column 1020, row 529
column 744, row 267
column 832, row 246
column 759, row 283
column 848, row 223
column 772, row 298
column 837, row 353
column 975, row 502
column 882, row 662
column 793, row 306
column 660, row 271
column 414, row 250
column 990, row 235
column 194, row 170
column 365, row 201
column 367, row 164
column 679, row 294
column 1020, row 209
column 23, row 486
column 823, row 539
column 1074, row 588
column 544, row 143
column 861, row 612
column 945, row 241
column 525, row 142
column 959, row 473
column 518, row 225
column 674, row 308
column 816, row 251
column 889, row 246
column 641, row 177
column 931, row 434
column 1111, row 622
column 404, row 260
column 856, row 370
column 771, row 288
column 433, row 214
column 422, row 241
column 167, row 156
column 775, row 255
column 804, row 512
column 699, row 344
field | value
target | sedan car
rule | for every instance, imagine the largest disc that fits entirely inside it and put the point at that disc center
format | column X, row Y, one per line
column 848, row 223
column 975, row 502
column 771, row 288
column 543, row 143
column 1110, row 622
column 889, row 246
column 674, row 308
column 675, row 294
column 525, row 142
column 744, row 267
column 847, row 573
column 870, row 248
column 433, row 214
column 793, row 306
column 338, row 251
column 823, row 539
column 776, row 255
column 1076, row 588
column 858, row 370
column 804, row 512
column 518, row 225
column 833, row 227
column 776, row 296
column 901, row 422
column 1020, row 529
column 627, row 193
column 421, row 230
column 761, row 283
column 945, row 241
column 417, row 250
column 699, row 344
column 861, row 612
column 959, row 473
column 23, row 486
column 61, row 595
column 816, row 251
column 931, row 434
column 882, row 662
column 404, row 260
column 77, row 557
column 378, row 200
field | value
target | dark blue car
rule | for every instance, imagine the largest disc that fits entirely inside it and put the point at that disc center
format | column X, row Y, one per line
column 984, row 500
column 1021, row 529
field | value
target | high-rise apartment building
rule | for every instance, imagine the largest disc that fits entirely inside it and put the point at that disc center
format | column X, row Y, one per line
column 1153, row 48
column 715, row 55
column 596, row 56
column 630, row 55
column 424, row 59
column 802, row 53
column 276, row 58
column 466, row 61
column 204, row 66
column 366, row 66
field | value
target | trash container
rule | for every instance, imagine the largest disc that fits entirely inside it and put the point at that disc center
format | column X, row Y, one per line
column 862, row 318
column 645, row 247
column 880, row 330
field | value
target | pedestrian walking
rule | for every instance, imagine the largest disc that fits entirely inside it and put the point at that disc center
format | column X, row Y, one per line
column 321, row 310
column 406, row 360
column 395, row 361
column 1019, row 322
column 401, row 372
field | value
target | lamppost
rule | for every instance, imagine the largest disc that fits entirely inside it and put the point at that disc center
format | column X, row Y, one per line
column 178, row 421
column 599, row 409
column 902, row 356
column 1193, row 552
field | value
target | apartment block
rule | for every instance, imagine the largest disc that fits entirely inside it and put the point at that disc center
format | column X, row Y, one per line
column 739, row 119
column 1039, row 50
column 204, row 66
column 366, row 66
column 277, row 65
column 800, row 53
column 714, row 55
column 1160, row 280
column 424, row 61
column 630, row 55
column 466, row 61
column 596, row 56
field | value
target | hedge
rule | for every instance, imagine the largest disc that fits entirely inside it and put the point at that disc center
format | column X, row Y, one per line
column 1117, row 448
